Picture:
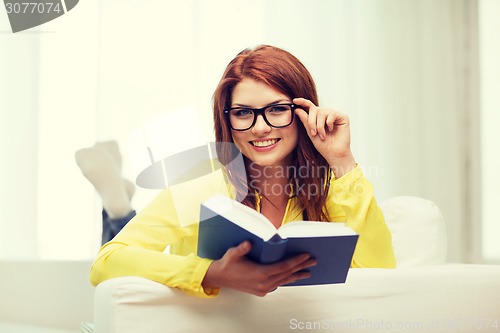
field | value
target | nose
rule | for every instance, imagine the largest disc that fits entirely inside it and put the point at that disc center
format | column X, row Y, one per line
column 260, row 125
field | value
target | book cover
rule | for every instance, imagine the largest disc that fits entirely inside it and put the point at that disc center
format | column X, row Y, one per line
column 225, row 223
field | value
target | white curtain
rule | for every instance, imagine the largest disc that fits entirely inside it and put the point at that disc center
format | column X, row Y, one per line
column 400, row 69
column 18, row 141
column 489, row 51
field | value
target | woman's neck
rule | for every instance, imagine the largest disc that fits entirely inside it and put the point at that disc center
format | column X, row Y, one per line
column 270, row 181
column 273, row 185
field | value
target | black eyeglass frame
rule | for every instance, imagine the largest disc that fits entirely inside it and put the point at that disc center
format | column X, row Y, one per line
column 260, row 111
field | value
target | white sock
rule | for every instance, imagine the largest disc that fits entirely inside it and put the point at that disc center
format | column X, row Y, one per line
column 101, row 165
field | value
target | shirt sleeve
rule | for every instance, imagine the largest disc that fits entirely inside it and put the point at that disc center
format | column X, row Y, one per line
column 351, row 200
column 138, row 250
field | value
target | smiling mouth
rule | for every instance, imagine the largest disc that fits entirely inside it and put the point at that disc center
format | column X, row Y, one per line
column 264, row 143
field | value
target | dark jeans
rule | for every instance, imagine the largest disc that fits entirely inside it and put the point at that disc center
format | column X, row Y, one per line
column 111, row 227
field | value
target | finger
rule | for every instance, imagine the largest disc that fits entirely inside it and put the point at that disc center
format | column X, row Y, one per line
column 340, row 119
column 289, row 270
column 312, row 120
column 320, row 125
column 289, row 266
column 302, row 114
column 294, row 277
column 311, row 110
column 239, row 251
column 330, row 122
column 307, row 104
column 306, row 264
column 297, row 273
column 304, row 118
column 273, row 282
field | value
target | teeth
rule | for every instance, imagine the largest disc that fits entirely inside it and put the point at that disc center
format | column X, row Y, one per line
column 264, row 143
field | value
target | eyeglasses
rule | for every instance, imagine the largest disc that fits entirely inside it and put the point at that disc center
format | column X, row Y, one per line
column 275, row 115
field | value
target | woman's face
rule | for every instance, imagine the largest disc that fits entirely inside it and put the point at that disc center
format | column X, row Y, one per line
column 263, row 144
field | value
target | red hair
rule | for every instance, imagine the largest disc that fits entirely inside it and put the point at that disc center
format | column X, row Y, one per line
column 285, row 73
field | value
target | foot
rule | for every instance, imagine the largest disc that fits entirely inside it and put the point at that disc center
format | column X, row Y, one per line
column 111, row 147
column 101, row 165
column 130, row 188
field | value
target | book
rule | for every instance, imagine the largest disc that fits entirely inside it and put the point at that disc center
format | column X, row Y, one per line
column 225, row 223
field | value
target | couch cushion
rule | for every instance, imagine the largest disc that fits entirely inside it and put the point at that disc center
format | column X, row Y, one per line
column 418, row 231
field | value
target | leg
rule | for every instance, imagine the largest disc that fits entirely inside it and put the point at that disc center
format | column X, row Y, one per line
column 111, row 227
column 101, row 165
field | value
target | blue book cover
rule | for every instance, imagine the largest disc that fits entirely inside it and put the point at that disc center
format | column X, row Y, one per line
column 225, row 223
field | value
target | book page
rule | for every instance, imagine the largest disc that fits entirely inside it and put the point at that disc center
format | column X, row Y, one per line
column 314, row 229
column 243, row 216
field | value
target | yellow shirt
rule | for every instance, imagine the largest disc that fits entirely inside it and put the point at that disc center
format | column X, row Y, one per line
column 172, row 220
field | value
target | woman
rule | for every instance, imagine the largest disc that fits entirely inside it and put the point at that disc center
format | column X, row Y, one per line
column 298, row 165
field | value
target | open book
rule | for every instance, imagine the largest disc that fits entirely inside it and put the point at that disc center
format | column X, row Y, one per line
column 225, row 223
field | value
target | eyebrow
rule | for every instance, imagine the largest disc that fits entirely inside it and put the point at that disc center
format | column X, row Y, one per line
column 248, row 106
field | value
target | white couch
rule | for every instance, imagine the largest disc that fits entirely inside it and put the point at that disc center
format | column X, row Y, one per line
column 424, row 294
column 45, row 296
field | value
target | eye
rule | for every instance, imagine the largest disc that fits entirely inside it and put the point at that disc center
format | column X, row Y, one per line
column 242, row 113
column 276, row 109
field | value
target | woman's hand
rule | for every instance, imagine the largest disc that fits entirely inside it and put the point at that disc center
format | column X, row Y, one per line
column 235, row 271
column 330, row 133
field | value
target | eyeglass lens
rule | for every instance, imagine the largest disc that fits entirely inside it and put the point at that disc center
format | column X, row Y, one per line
column 279, row 115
